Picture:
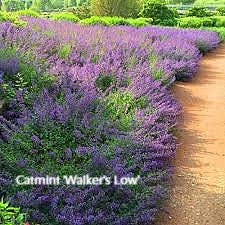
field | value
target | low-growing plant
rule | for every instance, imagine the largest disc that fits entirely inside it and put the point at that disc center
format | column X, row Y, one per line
column 103, row 82
column 11, row 17
column 112, row 21
column 27, row 12
column 196, row 22
column 120, row 107
column 219, row 21
column 22, row 77
column 10, row 215
column 65, row 16
column 64, row 51
column 219, row 30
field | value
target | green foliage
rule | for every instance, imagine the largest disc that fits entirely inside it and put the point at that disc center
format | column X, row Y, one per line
column 198, row 12
column 10, row 215
column 12, row 5
column 120, row 108
column 7, row 53
column 159, row 12
column 55, row 138
column 124, row 8
column 28, row 12
column 69, row 3
column 65, row 16
column 139, row 22
column 57, row 4
column 197, row 22
column 219, row 21
column 11, row 17
column 64, row 51
column 220, row 11
column 103, row 82
column 209, row 3
column 112, row 21
column 38, row 5
column 82, row 12
column 26, row 80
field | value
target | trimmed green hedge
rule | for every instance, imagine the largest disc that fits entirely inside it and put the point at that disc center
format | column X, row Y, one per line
column 111, row 21
column 198, row 22
column 65, row 16
column 27, row 13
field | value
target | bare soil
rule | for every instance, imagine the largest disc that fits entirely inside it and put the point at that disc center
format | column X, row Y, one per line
column 198, row 186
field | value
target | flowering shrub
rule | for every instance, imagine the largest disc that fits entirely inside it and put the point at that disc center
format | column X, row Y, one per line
column 107, row 111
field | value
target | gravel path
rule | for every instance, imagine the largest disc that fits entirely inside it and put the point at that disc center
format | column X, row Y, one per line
column 198, row 188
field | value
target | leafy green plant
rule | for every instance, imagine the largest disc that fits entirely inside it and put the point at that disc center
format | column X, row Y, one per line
column 105, row 81
column 196, row 22
column 28, row 12
column 11, row 215
column 64, row 51
column 65, row 16
column 113, row 21
column 11, row 17
column 139, row 22
column 220, row 11
column 82, row 12
column 220, row 21
column 120, row 107
column 26, row 80
column 12, row 5
column 198, row 12
column 159, row 12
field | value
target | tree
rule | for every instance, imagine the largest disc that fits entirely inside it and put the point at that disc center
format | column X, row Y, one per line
column 12, row 5
column 39, row 5
column 125, row 8
column 57, row 4
column 72, row 3
column 28, row 4
column 82, row 2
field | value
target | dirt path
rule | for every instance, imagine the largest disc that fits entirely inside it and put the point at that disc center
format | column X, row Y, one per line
column 198, row 191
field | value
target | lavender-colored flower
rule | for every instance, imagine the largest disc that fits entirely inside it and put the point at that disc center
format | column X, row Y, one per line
column 68, row 153
column 36, row 140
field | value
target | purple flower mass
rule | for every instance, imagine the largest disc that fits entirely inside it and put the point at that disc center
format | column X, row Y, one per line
column 78, row 124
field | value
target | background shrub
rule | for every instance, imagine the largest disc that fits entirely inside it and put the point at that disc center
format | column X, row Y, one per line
column 82, row 12
column 196, row 22
column 198, row 12
column 28, row 12
column 113, row 21
column 219, row 21
column 220, row 11
column 65, row 16
column 12, row 5
column 159, row 12
column 13, row 18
